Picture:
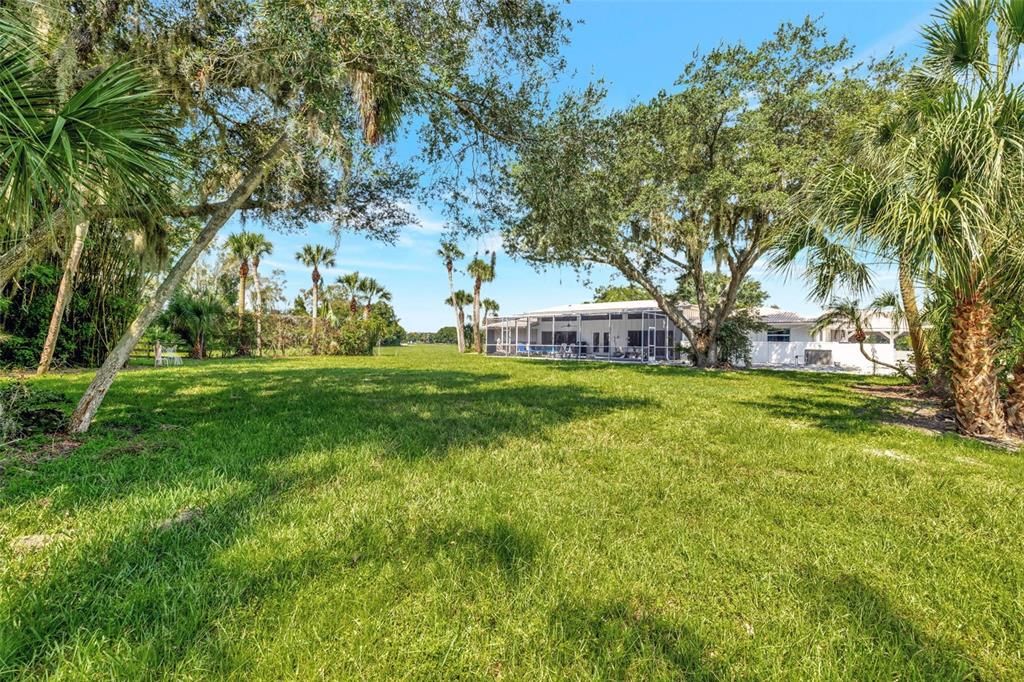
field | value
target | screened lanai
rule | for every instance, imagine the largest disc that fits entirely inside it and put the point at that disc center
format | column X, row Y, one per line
column 587, row 332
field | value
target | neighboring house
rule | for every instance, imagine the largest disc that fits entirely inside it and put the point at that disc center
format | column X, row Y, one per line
column 639, row 331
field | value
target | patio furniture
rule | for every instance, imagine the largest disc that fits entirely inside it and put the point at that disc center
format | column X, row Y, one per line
column 170, row 356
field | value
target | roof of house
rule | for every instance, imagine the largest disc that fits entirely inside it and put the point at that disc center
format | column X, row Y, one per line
column 767, row 315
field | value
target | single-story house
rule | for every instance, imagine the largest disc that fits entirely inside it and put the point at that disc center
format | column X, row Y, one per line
column 638, row 331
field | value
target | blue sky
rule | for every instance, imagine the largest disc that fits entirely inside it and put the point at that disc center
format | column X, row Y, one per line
column 637, row 48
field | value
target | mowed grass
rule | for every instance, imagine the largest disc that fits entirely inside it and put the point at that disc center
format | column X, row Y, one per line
column 432, row 516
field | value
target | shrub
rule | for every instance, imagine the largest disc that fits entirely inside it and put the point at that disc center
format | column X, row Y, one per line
column 26, row 411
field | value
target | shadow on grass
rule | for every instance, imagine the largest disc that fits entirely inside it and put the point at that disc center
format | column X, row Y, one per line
column 881, row 643
column 618, row 641
column 843, row 413
column 159, row 592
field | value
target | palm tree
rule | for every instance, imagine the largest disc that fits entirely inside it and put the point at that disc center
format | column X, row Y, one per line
column 481, row 271
column 259, row 246
column 194, row 317
column 847, row 313
column 945, row 188
column 459, row 300
column 108, row 143
column 238, row 247
column 489, row 306
column 832, row 266
column 349, row 289
column 314, row 256
column 449, row 253
column 371, row 289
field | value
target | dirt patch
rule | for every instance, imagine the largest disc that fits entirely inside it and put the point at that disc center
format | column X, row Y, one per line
column 915, row 408
column 184, row 517
column 890, row 454
column 33, row 452
column 31, row 543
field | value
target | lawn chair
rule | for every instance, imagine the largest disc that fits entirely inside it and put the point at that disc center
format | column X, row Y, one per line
column 170, row 356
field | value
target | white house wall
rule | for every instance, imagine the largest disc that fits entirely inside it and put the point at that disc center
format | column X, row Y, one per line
column 764, row 353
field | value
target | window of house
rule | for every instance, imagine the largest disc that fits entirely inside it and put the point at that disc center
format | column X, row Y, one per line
column 778, row 335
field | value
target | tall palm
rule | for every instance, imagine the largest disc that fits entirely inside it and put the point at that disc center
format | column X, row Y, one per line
column 238, row 247
column 450, row 252
column 349, row 289
column 259, row 246
column 109, row 143
column 316, row 256
column 490, row 306
column 459, row 300
column 372, row 291
column 481, row 271
column 847, row 313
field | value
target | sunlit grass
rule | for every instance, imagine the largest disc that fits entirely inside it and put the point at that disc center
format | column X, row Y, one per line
column 429, row 515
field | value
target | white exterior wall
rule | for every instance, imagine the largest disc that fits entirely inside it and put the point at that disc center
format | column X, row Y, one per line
column 845, row 356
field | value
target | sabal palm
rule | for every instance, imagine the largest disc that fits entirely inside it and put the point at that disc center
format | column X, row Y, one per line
column 490, row 306
column 195, row 317
column 316, row 256
column 349, row 285
column 459, row 300
column 238, row 245
column 108, row 143
column 259, row 246
column 372, row 291
column 481, row 271
column 449, row 253
column 945, row 185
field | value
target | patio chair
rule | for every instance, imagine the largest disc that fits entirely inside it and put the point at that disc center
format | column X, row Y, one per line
column 170, row 356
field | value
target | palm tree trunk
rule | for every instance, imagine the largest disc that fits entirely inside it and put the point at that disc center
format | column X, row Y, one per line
column 1015, row 399
column 85, row 412
column 314, row 345
column 918, row 342
column 259, row 310
column 477, row 346
column 902, row 371
column 460, row 332
column 366, row 311
column 975, row 381
column 63, row 296
column 241, row 297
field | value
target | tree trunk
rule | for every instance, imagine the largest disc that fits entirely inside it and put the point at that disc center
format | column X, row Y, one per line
column 975, row 381
column 242, row 276
column 24, row 251
column 85, row 412
column 704, row 349
column 1015, row 399
column 918, row 342
column 259, row 309
column 460, row 337
column 314, row 345
column 864, row 351
column 477, row 346
column 67, row 281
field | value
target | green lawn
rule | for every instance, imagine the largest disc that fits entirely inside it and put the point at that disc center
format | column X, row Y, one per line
column 427, row 515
